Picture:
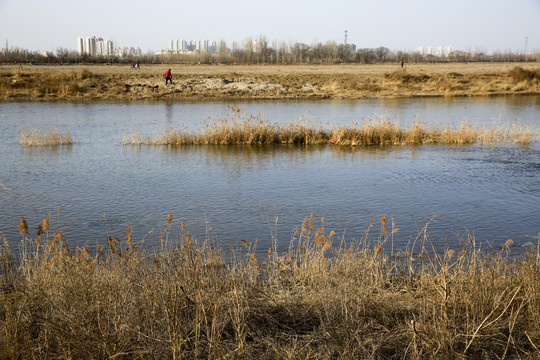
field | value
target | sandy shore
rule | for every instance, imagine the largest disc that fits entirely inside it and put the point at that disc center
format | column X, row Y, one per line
column 224, row 82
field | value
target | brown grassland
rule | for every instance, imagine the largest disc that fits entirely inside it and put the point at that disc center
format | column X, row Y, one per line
column 323, row 299
column 207, row 82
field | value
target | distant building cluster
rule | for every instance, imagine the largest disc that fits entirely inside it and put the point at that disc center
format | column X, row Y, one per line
column 211, row 46
column 438, row 51
column 127, row 52
column 96, row 46
column 15, row 51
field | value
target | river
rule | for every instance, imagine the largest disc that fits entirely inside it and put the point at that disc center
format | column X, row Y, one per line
column 225, row 194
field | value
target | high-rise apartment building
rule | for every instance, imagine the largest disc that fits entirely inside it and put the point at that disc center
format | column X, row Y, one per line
column 80, row 45
column 94, row 46
column 234, row 46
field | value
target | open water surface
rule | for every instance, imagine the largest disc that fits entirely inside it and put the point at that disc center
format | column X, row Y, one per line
column 229, row 193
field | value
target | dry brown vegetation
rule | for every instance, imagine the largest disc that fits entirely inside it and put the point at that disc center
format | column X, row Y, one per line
column 320, row 300
column 239, row 128
column 203, row 82
column 520, row 74
column 50, row 137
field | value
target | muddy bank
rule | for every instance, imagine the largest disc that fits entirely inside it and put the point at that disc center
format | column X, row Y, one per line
column 101, row 82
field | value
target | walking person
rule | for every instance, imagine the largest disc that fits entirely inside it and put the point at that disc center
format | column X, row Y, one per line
column 168, row 77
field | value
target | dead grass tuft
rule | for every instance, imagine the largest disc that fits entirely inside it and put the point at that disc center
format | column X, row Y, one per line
column 405, row 77
column 519, row 74
column 50, row 137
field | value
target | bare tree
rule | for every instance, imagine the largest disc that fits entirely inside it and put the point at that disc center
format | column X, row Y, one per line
column 62, row 54
column 381, row 53
column 300, row 52
column 222, row 52
column 366, row 56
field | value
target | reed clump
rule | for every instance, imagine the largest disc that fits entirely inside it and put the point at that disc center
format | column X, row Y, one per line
column 324, row 298
column 50, row 137
column 519, row 74
column 238, row 128
column 369, row 132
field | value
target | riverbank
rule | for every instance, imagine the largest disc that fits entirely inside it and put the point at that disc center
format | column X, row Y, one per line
column 320, row 300
column 302, row 82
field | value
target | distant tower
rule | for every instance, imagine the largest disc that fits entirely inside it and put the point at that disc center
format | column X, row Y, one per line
column 345, row 43
column 525, row 49
column 80, row 45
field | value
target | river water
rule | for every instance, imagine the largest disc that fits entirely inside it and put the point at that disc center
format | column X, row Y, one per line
column 225, row 194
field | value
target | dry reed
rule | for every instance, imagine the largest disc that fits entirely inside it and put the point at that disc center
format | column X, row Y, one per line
column 50, row 137
column 238, row 128
column 4, row 187
column 319, row 300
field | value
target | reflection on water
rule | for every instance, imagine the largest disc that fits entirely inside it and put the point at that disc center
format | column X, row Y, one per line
column 35, row 153
column 266, row 151
column 169, row 113
column 228, row 193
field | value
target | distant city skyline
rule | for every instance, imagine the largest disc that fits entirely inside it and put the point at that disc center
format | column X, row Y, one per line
column 212, row 46
column 97, row 46
column 491, row 26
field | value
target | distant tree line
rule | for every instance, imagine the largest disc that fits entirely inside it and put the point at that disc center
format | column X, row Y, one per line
column 264, row 53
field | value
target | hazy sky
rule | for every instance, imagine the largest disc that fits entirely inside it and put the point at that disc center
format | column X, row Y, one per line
column 491, row 25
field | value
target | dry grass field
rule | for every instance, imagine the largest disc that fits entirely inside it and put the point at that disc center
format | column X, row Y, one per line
column 323, row 299
column 206, row 82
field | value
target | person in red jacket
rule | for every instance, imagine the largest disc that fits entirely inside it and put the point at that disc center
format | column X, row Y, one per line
column 168, row 76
